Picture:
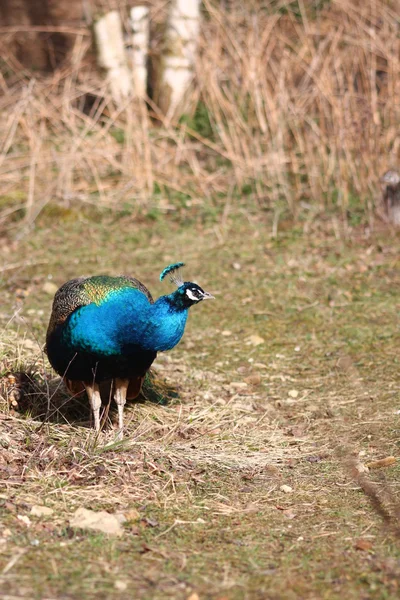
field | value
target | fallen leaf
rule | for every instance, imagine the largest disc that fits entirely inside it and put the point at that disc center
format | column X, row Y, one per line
column 313, row 459
column 29, row 344
column 271, row 469
column 293, row 393
column 363, row 544
column 254, row 379
column 25, row 520
column 383, row 462
column 344, row 363
column 41, row 511
column 297, row 431
column 98, row 521
column 132, row 515
column 238, row 385
column 255, row 340
column 10, row 506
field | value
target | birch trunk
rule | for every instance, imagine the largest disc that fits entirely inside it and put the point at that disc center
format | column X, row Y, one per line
column 112, row 56
column 177, row 66
column 140, row 22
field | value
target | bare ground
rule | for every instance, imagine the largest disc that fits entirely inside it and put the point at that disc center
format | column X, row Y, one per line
column 249, row 482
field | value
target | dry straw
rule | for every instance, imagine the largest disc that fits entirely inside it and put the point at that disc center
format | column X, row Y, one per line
column 302, row 98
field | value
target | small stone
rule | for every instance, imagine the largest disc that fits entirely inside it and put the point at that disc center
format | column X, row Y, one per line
column 361, row 468
column 41, row 511
column 49, row 288
column 293, row 393
column 99, row 521
column 286, row 489
column 120, row 585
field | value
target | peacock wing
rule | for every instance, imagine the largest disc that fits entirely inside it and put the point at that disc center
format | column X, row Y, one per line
column 70, row 296
column 87, row 290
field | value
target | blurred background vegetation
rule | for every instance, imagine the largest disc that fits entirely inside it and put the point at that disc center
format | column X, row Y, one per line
column 293, row 111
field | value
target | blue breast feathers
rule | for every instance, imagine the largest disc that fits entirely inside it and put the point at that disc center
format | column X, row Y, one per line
column 125, row 319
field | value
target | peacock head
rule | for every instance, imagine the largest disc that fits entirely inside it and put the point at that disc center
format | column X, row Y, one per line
column 188, row 293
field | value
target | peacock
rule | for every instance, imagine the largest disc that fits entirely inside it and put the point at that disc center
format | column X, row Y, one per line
column 105, row 328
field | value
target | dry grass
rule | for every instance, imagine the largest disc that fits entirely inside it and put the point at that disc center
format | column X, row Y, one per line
column 298, row 103
column 203, row 474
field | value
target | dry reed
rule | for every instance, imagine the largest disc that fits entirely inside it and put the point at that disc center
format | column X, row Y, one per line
column 303, row 109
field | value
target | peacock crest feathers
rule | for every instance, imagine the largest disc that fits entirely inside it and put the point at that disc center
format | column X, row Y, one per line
column 174, row 272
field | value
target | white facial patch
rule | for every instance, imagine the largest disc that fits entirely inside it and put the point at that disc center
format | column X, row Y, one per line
column 191, row 296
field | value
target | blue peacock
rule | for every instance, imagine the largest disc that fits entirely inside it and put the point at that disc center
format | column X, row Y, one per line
column 105, row 328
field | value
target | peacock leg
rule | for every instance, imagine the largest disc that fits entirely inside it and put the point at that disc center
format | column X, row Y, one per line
column 120, row 391
column 93, row 392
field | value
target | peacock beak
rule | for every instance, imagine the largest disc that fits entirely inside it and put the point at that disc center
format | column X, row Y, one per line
column 207, row 296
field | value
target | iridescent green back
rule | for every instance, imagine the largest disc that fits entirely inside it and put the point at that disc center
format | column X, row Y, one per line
column 88, row 290
column 96, row 289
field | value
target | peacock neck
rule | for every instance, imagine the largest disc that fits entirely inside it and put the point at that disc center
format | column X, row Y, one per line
column 163, row 325
column 175, row 302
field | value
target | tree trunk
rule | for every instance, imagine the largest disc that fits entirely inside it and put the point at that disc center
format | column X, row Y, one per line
column 177, row 62
column 111, row 54
column 140, row 22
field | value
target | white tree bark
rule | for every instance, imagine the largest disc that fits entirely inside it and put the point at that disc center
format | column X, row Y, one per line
column 181, row 47
column 140, row 22
column 112, row 56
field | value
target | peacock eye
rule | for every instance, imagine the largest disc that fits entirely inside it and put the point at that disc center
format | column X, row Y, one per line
column 191, row 295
